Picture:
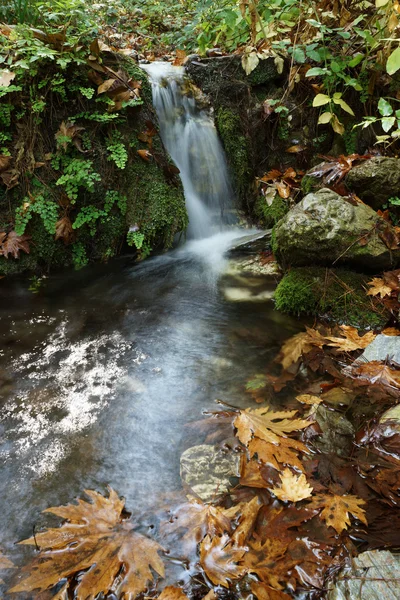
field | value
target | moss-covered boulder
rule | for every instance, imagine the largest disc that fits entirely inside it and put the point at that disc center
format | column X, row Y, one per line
column 376, row 180
column 336, row 294
column 269, row 212
column 325, row 228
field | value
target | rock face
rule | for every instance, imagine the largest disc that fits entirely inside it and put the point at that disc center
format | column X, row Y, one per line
column 324, row 228
column 376, row 180
column 382, row 347
column 208, row 470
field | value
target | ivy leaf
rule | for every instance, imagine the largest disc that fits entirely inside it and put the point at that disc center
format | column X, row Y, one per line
column 384, row 107
column 321, row 100
column 387, row 123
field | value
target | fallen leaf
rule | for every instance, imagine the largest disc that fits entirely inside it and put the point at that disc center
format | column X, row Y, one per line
column 5, row 563
column 68, row 131
column 265, row 592
column 336, row 510
column 375, row 372
column 145, row 155
column 5, row 162
column 13, row 244
column 199, row 520
column 309, row 399
column 391, row 331
column 221, row 560
column 378, row 288
column 172, row 593
column 248, row 512
column 352, row 341
column 293, row 487
column 266, row 424
column 180, row 58
column 277, row 454
column 105, row 86
column 95, row 539
column 64, row 229
column 296, row 149
column 300, row 344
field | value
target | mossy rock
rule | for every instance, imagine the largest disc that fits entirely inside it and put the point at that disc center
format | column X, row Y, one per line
column 336, row 294
column 270, row 214
column 229, row 125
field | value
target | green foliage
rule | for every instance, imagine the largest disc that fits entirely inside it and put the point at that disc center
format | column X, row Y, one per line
column 117, row 150
column 389, row 120
column 79, row 257
column 270, row 214
column 42, row 206
column 337, row 294
column 77, row 173
column 135, row 238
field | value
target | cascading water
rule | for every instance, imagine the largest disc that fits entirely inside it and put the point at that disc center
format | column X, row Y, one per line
column 190, row 136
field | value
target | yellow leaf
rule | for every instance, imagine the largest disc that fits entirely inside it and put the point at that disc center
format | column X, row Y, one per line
column 172, row 593
column 300, row 344
column 352, row 341
column 321, row 100
column 6, row 78
column 343, row 105
column 308, row 399
column 378, row 287
column 221, row 560
column 267, row 425
column 325, row 118
column 380, row 3
column 293, row 487
column 336, row 510
column 337, row 126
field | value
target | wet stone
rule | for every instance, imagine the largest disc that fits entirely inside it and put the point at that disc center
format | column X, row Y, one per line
column 382, row 347
column 374, row 575
column 251, row 244
column 208, row 470
column 337, row 432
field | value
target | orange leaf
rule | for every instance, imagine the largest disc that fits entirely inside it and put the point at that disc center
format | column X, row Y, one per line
column 145, row 155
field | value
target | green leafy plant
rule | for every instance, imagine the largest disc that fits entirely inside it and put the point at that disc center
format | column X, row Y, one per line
column 135, row 238
column 77, row 173
column 117, row 150
column 42, row 206
column 79, row 256
column 389, row 121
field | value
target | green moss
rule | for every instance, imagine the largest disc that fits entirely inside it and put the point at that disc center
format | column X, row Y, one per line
column 336, row 294
column 263, row 73
column 310, row 184
column 156, row 207
column 274, row 244
column 229, row 124
column 137, row 74
column 269, row 215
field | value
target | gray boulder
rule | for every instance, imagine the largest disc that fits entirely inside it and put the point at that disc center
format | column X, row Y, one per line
column 207, row 470
column 382, row 347
column 375, row 180
column 324, row 228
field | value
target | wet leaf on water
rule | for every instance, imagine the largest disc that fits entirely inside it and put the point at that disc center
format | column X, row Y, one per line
column 172, row 593
column 336, row 510
column 309, row 399
column 300, row 344
column 221, row 560
column 248, row 512
column 5, row 563
column 351, row 340
column 95, row 539
column 265, row 592
column 293, row 487
column 267, row 424
column 277, row 454
column 375, row 372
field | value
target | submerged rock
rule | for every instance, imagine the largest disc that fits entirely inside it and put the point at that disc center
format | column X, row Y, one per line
column 325, row 228
column 375, row 180
column 208, row 470
column 337, row 432
column 372, row 575
column 251, row 244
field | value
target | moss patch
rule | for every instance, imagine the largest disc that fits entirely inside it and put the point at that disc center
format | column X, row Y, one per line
column 269, row 215
column 155, row 206
column 229, row 124
column 335, row 294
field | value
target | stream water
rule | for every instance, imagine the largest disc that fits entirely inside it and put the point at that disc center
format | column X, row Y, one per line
column 101, row 370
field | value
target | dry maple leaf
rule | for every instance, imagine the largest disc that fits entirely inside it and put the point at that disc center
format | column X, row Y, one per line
column 299, row 344
column 375, row 372
column 309, row 399
column 64, row 229
column 277, row 454
column 200, row 520
column 221, row 560
column 265, row 592
column 13, row 243
column 378, row 287
column 95, row 539
column 172, row 593
column 266, row 424
column 352, row 341
column 293, row 487
column 336, row 510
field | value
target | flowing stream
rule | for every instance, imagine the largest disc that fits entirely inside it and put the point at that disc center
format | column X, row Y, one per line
column 102, row 369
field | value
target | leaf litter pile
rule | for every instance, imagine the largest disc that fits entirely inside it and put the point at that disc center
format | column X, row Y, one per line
column 319, row 482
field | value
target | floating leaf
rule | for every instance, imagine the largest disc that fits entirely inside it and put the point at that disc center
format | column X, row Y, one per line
column 221, row 560
column 293, row 487
column 96, row 539
column 352, row 341
column 336, row 510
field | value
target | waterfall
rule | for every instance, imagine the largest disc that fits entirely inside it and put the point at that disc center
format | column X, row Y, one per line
column 189, row 135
